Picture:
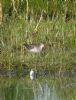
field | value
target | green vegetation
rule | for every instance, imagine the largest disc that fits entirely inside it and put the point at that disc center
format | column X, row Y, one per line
column 59, row 39
column 57, row 31
column 34, row 8
column 52, row 22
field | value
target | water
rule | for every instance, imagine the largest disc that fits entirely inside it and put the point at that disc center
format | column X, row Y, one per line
column 43, row 88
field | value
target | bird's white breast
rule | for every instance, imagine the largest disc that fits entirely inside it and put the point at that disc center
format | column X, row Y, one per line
column 35, row 50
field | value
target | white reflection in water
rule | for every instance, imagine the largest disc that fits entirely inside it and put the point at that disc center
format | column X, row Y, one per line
column 44, row 94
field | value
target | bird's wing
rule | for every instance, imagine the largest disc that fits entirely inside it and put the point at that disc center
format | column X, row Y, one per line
column 29, row 46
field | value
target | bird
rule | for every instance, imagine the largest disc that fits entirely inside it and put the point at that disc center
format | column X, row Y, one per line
column 34, row 48
column 32, row 74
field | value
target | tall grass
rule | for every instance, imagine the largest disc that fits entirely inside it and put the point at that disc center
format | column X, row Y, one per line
column 59, row 39
column 33, row 8
column 1, row 13
column 58, row 34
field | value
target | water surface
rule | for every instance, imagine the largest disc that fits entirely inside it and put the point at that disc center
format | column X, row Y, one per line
column 43, row 88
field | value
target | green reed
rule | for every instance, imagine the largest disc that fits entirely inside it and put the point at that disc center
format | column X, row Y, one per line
column 58, row 36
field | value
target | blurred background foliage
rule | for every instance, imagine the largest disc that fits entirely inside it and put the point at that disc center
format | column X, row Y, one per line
column 34, row 8
column 57, row 31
